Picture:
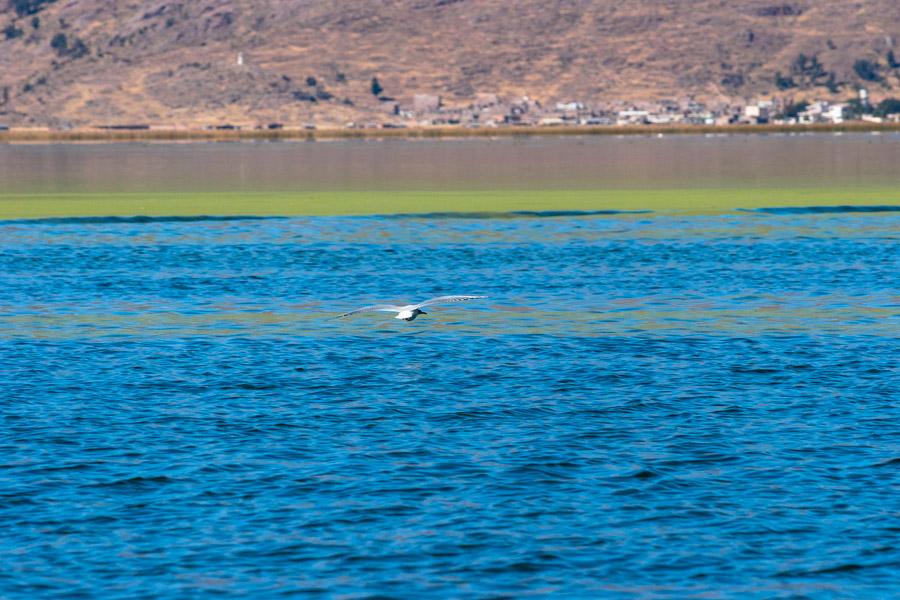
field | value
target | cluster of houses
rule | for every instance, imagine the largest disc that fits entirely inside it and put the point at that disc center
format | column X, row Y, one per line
column 490, row 110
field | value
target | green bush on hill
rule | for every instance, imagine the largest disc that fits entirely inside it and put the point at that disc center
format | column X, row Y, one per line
column 867, row 70
column 784, row 83
column 888, row 106
column 12, row 32
column 806, row 72
column 892, row 60
column 60, row 43
column 29, row 7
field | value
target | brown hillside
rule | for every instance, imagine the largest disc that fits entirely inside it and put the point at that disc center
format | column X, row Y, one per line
column 84, row 62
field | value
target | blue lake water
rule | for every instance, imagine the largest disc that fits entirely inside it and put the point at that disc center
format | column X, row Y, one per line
column 655, row 406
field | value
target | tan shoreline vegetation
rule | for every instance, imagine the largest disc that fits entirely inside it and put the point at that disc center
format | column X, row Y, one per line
column 40, row 135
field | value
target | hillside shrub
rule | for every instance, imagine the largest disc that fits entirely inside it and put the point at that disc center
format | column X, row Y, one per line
column 302, row 96
column 784, row 83
column 779, row 10
column 867, row 70
column 29, row 7
column 892, row 60
column 60, row 43
column 888, row 106
column 78, row 49
column 12, row 32
column 733, row 80
column 808, row 71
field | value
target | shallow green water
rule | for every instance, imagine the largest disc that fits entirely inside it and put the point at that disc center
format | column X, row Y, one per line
column 700, row 174
column 704, row 201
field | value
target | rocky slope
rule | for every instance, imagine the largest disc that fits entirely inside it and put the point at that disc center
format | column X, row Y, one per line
column 83, row 62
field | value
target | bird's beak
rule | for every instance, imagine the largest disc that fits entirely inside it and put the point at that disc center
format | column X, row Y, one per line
column 423, row 313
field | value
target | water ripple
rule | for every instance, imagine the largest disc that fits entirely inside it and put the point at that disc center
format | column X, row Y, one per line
column 645, row 406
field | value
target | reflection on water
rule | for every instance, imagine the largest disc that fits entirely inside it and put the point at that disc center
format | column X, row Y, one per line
column 646, row 405
column 846, row 160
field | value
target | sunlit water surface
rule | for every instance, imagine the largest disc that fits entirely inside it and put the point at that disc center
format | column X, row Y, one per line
column 645, row 406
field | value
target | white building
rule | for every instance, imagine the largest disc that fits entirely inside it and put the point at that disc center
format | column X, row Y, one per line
column 760, row 112
column 835, row 113
column 569, row 106
column 631, row 117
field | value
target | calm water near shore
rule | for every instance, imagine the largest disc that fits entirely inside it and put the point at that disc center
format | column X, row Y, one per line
column 711, row 161
column 649, row 404
column 697, row 174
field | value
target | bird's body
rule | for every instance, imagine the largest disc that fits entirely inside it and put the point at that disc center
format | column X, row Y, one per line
column 409, row 315
column 408, row 312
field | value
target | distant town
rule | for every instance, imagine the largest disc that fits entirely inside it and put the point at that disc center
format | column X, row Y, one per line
column 489, row 110
column 422, row 111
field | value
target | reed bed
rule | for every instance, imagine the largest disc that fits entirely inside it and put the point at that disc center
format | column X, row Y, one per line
column 210, row 135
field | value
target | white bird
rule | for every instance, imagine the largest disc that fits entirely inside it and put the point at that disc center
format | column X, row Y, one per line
column 409, row 312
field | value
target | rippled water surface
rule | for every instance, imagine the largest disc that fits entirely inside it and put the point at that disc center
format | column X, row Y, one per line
column 646, row 406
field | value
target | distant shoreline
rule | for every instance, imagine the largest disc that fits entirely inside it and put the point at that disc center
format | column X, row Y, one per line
column 16, row 135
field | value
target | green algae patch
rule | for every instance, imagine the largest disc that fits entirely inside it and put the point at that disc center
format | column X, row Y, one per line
column 310, row 203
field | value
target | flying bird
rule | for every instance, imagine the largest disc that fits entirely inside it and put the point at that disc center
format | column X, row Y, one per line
column 409, row 312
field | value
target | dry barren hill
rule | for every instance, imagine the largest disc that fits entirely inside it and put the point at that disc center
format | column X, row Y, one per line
column 84, row 62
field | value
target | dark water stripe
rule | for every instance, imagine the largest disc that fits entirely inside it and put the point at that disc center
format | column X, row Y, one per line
column 516, row 214
column 139, row 219
column 812, row 210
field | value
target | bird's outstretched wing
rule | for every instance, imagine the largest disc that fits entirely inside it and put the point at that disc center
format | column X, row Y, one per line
column 446, row 300
column 376, row 307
